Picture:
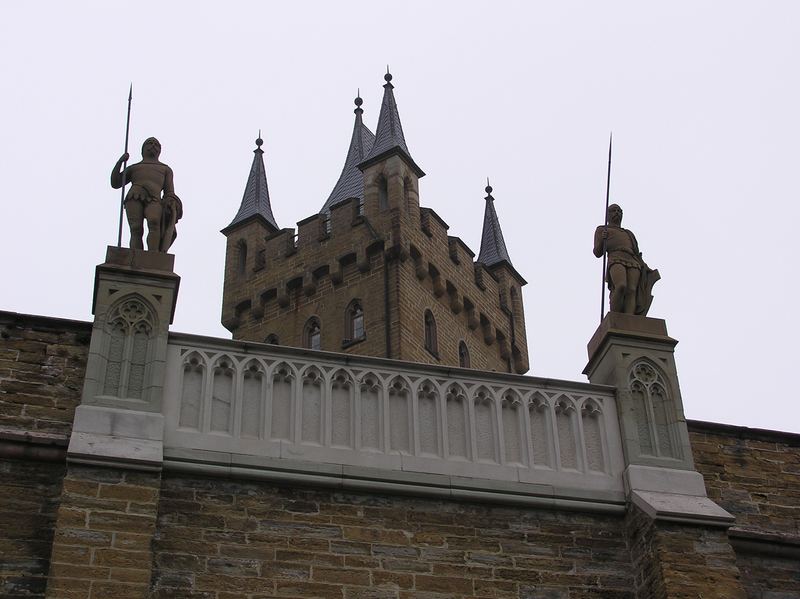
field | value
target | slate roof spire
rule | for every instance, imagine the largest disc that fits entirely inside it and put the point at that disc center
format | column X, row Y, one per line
column 255, row 201
column 493, row 246
column 351, row 181
column 389, row 138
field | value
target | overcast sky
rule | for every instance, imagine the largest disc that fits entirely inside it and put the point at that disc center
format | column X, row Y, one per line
column 702, row 98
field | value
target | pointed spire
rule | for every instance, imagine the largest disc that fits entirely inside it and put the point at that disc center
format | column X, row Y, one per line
column 351, row 181
column 255, row 201
column 389, row 138
column 493, row 246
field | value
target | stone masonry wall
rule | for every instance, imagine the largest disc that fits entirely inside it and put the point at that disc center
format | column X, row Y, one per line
column 220, row 539
column 42, row 365
column 103, row 534
column 755, row 475
column 676, row 561
column 29, row 497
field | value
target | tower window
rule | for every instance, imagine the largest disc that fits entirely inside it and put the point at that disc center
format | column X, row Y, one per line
column 463, row 355
column 383, row 193
column 241, row 266
column 312, row 334
column 354, row 321
column 431, row 343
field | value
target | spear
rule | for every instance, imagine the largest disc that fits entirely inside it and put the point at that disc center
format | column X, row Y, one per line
column 124, row 167
column 605, row 229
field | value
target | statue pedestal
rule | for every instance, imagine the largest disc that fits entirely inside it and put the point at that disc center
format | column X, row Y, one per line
column 119, row 420
column 635, row 355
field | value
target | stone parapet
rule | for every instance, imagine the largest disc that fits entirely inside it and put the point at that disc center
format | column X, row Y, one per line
column 278, row 413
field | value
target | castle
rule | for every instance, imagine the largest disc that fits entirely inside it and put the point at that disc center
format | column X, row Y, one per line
column 368, row 433
column 374, row 273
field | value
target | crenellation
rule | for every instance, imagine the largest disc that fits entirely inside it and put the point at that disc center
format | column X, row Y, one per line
column 311, row 230
column 342, row 216
column 279, row 245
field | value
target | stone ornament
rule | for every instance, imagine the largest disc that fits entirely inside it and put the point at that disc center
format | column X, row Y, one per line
column 630, row 280
column 145, row 202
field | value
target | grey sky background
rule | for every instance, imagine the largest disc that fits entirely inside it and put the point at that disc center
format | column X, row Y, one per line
column 702, row 98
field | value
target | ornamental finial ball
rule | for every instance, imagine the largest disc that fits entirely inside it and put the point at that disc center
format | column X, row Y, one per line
column 259, row 141
column 358, row 101
column 489, row 189
column 388, row 77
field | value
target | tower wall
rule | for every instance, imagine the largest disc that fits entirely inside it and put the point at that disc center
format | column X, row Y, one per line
column 398, row 259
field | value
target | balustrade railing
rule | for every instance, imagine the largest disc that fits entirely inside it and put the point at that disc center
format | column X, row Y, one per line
column 311, row 408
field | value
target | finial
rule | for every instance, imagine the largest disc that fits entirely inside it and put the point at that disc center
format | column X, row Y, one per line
column 358, row 101
column 488, row 188
column 388, row 75
column 259, row 141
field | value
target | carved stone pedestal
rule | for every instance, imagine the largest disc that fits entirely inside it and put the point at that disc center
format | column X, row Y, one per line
column 108, row 508
column 670, row 517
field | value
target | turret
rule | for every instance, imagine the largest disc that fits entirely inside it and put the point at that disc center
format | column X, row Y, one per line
column 494, row 257
column 246, row 234
column 391, row 177
column 351, row 181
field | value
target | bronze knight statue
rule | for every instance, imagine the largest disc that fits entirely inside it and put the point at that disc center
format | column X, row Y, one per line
column 630, row 280
column 144, row 201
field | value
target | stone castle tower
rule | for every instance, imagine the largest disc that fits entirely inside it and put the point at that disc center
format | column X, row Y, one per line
column 373, row 273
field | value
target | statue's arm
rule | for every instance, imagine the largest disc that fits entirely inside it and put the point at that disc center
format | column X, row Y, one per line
column 600, row 235
column 116, row 174
column 169, row 186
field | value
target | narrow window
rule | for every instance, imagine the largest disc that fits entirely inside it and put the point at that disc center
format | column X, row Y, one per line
column 242, row 258
column 383, row 194
column 430, row 334
column 312, row 334
column 354, row 321
column 272, row 339
column 463, row 355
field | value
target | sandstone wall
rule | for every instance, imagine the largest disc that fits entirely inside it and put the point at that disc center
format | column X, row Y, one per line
column 226, row 539
column 29, row 497
column 755, row 475
column 42, row 365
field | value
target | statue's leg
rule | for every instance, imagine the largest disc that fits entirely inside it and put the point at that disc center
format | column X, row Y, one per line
column 135, row 213
column 632, row 283
column 152, row 212
column 618, row 282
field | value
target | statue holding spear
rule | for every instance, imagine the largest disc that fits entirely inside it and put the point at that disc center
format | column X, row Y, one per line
column 149, row 179
column 630, row 280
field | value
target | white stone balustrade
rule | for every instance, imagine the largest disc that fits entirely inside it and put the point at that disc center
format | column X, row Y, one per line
column 283, row 412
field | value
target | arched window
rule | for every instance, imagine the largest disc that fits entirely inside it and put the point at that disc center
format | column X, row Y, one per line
column 431, row 343
column 383, row 193
column 354, row 321
column 463, row 355
column 241, row 266
column 312, row 334
column 272, row 339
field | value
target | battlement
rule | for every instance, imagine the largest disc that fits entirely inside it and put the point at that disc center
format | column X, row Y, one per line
column 293, row 274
